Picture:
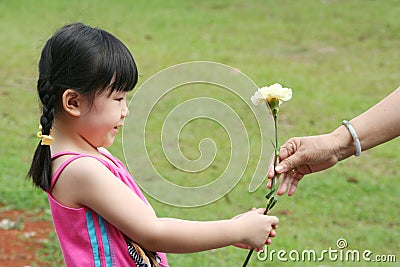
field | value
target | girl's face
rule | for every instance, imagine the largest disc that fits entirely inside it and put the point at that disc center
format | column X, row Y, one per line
column 100, row 124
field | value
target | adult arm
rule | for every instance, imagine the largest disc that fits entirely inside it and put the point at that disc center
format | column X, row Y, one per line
column 300, row 156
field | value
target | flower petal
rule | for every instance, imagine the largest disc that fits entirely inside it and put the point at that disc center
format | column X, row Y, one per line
column 266, row 93
column 286, row 94
column 257, row 98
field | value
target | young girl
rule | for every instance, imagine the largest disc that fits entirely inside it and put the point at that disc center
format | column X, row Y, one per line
column 100, row 215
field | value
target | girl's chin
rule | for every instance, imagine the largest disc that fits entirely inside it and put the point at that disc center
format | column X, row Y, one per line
column 108, row 144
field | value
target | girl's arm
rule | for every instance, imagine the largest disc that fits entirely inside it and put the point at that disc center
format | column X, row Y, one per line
column 87, row 182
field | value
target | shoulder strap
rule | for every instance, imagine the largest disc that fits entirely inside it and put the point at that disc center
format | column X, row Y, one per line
column 63, row 153
column 66, row 163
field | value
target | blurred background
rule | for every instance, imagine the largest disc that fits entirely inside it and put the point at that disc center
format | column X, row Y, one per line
column 339, row 57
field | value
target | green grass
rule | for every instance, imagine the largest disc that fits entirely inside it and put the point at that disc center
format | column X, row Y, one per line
column 340, row 57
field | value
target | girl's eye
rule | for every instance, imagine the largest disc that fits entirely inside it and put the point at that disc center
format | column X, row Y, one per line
column 120, row 99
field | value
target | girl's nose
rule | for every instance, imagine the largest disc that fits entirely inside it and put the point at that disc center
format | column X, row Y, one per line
column 125, row 112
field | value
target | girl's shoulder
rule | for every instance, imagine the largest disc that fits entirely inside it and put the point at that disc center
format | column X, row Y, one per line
column 79, row 178
column 66, row 157
column 69, row 163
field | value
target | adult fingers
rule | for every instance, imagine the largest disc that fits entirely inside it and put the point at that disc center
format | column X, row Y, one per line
column 289, row 163
column 284, row 184
column 288, row 148
column 269, row 183
column 271, row 172
column 289, row 156
column 289, row 183
column 293, row 185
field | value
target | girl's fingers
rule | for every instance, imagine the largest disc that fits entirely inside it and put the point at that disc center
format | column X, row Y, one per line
column 272, row 233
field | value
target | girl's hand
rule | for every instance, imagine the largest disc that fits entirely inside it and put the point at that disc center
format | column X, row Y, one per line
column 256, row 229
column 267, row 242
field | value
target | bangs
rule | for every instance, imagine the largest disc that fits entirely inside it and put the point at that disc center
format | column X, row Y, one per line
column 116, row 68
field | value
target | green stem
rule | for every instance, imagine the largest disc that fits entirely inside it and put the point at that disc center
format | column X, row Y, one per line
column 271, row 200
column 275, row 115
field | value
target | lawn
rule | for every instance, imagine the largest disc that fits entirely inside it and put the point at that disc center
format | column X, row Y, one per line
column 339, row 57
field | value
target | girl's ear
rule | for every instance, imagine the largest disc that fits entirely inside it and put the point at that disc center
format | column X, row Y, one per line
column 72, row 102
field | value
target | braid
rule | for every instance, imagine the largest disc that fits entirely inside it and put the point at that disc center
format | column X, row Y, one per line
column 40, row 170
column 47, row 96
column 83, row 59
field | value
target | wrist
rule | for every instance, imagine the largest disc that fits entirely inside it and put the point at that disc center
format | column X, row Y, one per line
column 239, row 231
column 344, row 145
column 354, row 136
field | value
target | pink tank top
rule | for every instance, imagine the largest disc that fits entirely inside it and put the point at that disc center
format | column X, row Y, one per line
column 86, row 239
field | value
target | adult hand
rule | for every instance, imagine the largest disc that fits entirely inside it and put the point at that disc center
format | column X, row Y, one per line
column 303, row 155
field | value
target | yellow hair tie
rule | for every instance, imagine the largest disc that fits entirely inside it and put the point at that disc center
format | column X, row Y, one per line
column 47, row 140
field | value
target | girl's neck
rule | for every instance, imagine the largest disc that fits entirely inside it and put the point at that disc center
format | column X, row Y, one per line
column 66, row 139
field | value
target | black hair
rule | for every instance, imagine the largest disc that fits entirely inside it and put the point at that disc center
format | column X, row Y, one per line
column 86, row 60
